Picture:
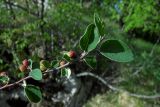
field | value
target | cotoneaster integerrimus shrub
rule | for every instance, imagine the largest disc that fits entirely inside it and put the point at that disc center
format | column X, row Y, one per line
column 93, row 39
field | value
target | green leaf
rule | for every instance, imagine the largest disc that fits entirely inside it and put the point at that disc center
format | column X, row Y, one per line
column 35, row 65
column 99, row 24
column 33, row 93
column 66, row 72
column 54, row 64
column 21, row 75
column 30, row 63
column 90, row 39
column 91, row 61
column 4, row 79
column 66, row 57
column 1, row 61
column 116, row 50
column 63, row 73
column 36, row 74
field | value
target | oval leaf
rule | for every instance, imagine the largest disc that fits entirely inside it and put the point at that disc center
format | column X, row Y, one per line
column 36, row 74
column 91, row 62
column 30, row 63
column 99, row 24
column 35, row 65
column 4, row 79
column 116, row 50
column 33, row 93
column 54, row 64
column 66, row 72
column 66, row 57
column 21, row 75
column 90, row 39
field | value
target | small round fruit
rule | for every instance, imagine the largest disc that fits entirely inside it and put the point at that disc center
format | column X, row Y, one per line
column 72, row 54
column 22, row 68
column 43, row 68
column 42, row 62
column 25, row 62
column 3, row 73
column 62, row 63
column 44, row 65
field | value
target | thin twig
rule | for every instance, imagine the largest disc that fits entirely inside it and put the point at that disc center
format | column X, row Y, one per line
column 47, row 71
column 117, row 89
column 52, row 40
column 28, row 77
column 58, row 68
column 97, row 77
column 15, row 83
column 21, row 7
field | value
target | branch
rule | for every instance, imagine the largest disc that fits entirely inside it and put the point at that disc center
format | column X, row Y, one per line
column 58, row 68
column 42, row 17
column 16, row 83
column 28, row 77
column 47, row 71
column 117, row 89
column 10, row 8
column 145, row 96
column 21, row 7
column 67, row 64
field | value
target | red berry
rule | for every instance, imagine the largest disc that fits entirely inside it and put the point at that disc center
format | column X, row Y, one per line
column 62, row 63
column 72, row 54
column 25, row 62
column 22, row 68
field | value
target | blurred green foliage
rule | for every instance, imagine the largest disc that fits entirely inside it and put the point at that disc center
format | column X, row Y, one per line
column 28, row 31
column 140, row 15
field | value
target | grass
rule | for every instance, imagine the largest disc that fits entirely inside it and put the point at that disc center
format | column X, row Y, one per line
column 112, row 99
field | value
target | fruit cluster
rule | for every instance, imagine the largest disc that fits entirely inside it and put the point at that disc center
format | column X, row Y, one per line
column 45, row 64
column 23, row 67
column 71, row 54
